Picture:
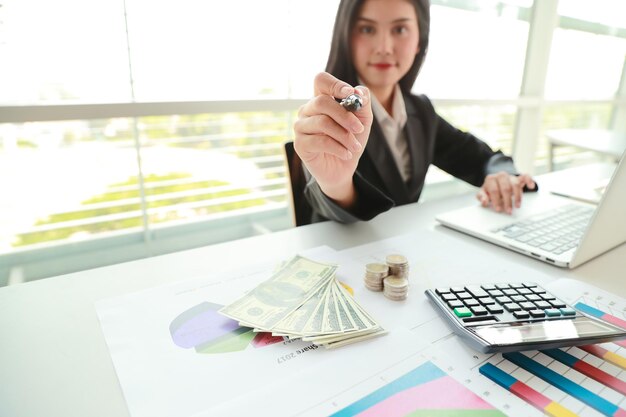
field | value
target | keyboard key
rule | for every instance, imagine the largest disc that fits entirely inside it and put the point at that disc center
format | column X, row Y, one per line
column 462, row 312
column 448, row 297
column 521, row 315
column 494, row 309
column 536, row 313
column 511, row 307
column 471, row 302
column 486, row 301
column 544, row 305
column 476, row 291
column 479, row 311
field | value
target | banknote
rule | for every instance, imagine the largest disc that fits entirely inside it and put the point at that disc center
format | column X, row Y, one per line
column 286, row 290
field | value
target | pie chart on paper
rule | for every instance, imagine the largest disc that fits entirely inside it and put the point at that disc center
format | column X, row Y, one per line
column 204, row 329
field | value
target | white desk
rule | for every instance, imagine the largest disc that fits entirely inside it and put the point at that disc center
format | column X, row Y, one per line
column 53, row 357
column 600, row 141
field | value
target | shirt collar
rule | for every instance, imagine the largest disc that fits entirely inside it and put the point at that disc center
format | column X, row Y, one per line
column 398, row 108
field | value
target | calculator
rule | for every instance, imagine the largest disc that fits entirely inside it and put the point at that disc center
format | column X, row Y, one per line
column 509, row 317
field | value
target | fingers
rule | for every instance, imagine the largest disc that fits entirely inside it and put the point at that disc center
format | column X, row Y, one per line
column 310, row 146
column 526, row 180
column 324, row 125
column 326, row 84
column 322, row 115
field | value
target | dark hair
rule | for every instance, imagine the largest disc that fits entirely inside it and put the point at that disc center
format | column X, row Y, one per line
column 340, row 57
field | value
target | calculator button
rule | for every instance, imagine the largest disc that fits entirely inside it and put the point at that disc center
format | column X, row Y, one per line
column 533, row 297
column 503, row 299
column 521, row 315
column 530, row 285
column 476, row 291
column 547, row 297
column 524, row 291
column 479, row 311
column 495, row 293
column 518, row 298
column 457, row 289
column 488, row 287
column 441, row 291
column 539, row 290
column 509, row 291
column 543, row 305
column 457, row 304
column 463, row 295
column 517, row 285
column 511, row 307
column 486, row 301
column 471, row 302
column 527, row 305
column 494, row 309
column 502, row 286
column 558, row 304
column 462, row 312
column 568, row 311
column 448, row 297
column 536, row 313
column 553, row 312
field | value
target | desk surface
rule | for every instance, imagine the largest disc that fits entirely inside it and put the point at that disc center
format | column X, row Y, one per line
column 601, row 141
column 53, row 356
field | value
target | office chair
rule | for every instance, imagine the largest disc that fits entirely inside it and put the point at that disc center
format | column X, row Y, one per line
column 301, row 211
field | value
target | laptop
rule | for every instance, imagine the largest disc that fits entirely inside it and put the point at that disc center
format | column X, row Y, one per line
column 555, row 229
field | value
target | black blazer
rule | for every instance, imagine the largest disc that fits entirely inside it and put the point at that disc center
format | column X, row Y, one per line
column 431, row 140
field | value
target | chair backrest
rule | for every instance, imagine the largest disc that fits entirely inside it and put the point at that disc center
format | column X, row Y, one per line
column 301, row 211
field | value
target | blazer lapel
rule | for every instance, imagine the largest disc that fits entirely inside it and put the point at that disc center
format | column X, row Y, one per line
column 415, row 138
column 380, row 154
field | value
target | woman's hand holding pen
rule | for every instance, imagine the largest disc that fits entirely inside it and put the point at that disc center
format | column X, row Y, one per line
column 330, row 139
column 503, row 190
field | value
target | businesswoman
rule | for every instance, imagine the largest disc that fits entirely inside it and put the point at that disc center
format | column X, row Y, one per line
column 361, row 164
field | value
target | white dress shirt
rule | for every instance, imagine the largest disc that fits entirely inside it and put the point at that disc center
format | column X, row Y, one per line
column 393, row 130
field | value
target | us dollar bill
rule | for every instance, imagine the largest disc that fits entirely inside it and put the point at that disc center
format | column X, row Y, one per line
column 286, row 290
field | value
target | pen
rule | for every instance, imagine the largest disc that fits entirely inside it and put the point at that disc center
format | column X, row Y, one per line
column 352, row 103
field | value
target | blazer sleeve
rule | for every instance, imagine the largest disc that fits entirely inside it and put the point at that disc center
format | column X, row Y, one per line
column 464, row 156
column 370, row 201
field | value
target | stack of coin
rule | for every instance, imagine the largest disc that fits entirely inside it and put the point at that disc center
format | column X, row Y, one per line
column 398, row 266
column 374, row 275
column 395, row 288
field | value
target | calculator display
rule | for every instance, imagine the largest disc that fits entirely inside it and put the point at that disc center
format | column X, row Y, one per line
column 537, row 332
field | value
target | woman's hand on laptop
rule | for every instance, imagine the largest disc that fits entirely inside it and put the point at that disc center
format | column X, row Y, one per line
column 503, row 190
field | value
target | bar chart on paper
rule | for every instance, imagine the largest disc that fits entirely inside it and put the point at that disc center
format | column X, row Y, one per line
column 585, row 380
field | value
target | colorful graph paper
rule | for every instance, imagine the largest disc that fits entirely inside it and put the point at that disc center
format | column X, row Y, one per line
column 568, row 386
column 424, row 391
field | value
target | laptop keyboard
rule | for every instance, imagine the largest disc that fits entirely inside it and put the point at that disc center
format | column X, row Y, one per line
column 555, row 231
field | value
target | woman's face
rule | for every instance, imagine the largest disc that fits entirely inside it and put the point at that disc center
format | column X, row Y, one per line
column 385, row 40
